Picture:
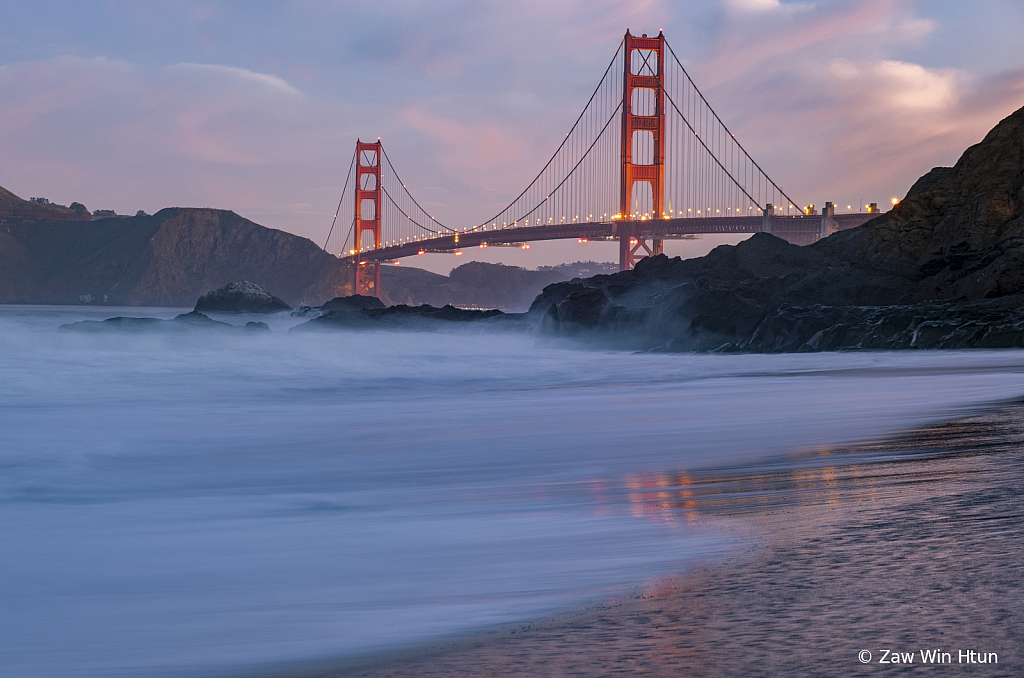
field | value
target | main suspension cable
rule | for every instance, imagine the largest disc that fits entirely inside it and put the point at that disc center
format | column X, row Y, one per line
column 725, row 127
column 338, row 210
column 402, row 183
column 560, row 146
column 576, row 166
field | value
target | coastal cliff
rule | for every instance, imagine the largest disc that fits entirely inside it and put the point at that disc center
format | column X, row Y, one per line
column 55, row 255
column 168, row 259
column 944, row 268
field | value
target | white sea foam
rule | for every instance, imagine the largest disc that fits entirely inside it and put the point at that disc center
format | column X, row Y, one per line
column 200, row 505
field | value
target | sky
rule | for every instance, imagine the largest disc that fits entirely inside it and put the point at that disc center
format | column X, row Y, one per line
column 255, row 106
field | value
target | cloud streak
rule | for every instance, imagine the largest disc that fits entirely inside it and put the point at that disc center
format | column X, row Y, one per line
column 117, row 136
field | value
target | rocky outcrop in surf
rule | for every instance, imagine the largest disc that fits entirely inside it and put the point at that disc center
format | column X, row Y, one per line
column 422, row 317
column 184, row 323
column 240, row 297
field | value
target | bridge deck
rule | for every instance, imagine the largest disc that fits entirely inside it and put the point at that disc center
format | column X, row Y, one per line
column 800, row 229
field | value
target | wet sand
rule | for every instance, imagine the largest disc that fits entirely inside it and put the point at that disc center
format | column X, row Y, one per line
column 908, row 545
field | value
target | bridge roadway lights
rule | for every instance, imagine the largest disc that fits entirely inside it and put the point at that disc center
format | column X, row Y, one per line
column 636, row 238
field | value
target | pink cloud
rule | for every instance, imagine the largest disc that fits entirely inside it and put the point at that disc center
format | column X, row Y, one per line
column 815, row 99
column 482, row 145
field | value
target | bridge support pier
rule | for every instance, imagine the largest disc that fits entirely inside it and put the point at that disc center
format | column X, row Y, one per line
column 634, row 246
column 367, row 279
column 766, row 218
column 829, row 225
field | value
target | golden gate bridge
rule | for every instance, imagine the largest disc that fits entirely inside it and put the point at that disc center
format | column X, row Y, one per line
column 647, row 160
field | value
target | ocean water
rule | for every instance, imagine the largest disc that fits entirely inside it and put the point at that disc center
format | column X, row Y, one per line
column 223, row 504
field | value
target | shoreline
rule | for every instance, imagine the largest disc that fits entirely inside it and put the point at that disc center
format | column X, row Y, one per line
column 908, row 544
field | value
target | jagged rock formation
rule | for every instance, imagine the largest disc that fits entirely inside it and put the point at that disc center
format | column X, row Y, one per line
column 928, row 180
column 944, row 268
column 240, row 297
column 397, row 317
column 168, row 259
column 355, row 302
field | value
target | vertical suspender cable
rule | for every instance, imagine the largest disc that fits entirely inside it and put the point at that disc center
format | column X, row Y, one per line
column 340, row 200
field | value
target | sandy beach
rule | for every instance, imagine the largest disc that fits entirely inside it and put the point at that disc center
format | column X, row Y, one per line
column 897, row 547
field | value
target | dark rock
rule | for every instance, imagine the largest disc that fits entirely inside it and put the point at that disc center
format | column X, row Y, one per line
column 198, row 319
column 399, row 317
column 355, row 302
column 990, row 323
column 926, row 182
column 186, row 322
column 118, row 324
column 241, row 297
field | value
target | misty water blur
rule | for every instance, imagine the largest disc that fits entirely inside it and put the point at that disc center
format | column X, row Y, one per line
column 203, row 504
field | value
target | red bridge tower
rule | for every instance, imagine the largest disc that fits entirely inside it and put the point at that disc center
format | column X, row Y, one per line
column 367, row 274
column 643, row 146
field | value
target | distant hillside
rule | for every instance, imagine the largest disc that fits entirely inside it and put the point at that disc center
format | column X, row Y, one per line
column 473, row 285
column 168, row 259
column 13, row 207
column 54, row 255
